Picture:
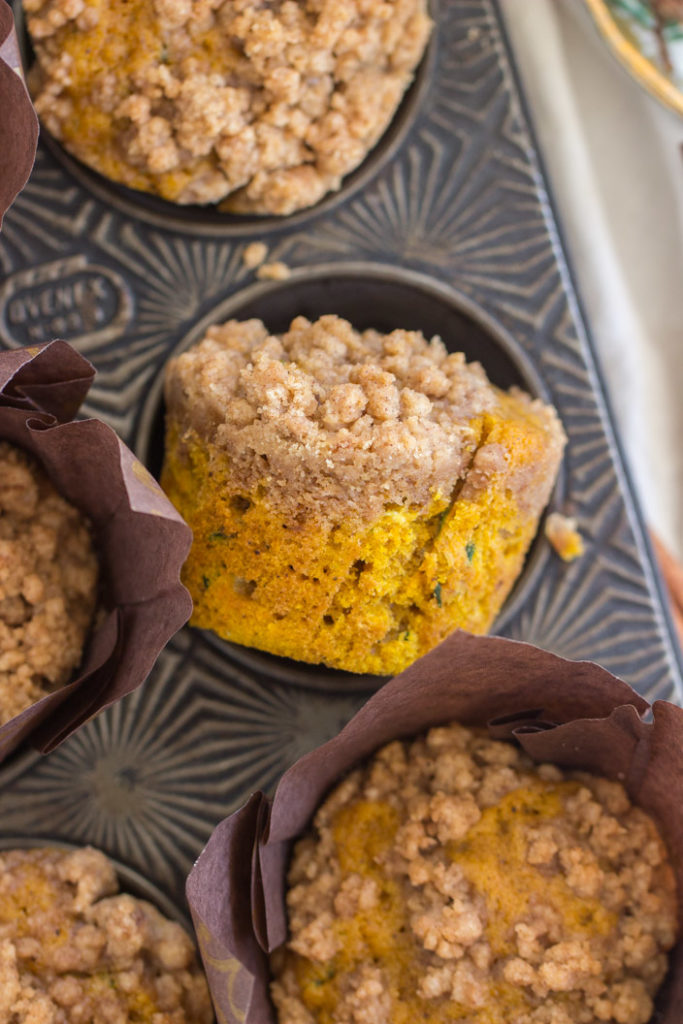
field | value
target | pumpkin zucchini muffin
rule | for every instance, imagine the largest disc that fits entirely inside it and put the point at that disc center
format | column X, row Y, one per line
column 74, row 951
column 267, row 103
column 452, row 879
column 48, row 583
column 353, row 497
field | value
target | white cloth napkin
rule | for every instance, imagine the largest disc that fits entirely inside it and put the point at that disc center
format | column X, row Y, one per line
column 615, row 165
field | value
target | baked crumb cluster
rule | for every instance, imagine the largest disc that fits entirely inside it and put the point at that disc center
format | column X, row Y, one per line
column 451, row 879
column 48, row 583
column 73, row 952
column 335, row 418
column 563, row 533
column 269, row 104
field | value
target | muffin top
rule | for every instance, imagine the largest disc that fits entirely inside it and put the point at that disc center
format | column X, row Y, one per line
column 195, row 100
column 48, row 583
column 72, row 949
column 329, row 417
column 452, row 879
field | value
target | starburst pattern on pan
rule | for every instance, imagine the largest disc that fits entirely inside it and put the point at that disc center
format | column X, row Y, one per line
column 599, row 607
column 175, row 275
column 163, row 281
column 438, row 220
column 576, row 612
column 148, row 779
column 174, row 280
column 45, row 212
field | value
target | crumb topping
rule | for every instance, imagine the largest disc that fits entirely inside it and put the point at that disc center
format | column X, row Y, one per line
column 254, row 255
column 563, row 533
column 48, row 583
column 329, row 417
column 451, row 879
column 276, row 271
column 269, row 104
column 72, row 951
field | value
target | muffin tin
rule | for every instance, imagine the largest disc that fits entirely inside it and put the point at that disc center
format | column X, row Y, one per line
column 446, row 227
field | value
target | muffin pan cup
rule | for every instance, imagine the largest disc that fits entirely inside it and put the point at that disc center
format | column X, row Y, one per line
column 572, row 714
column 140, row 540
column 455, row 216
column 368, row 296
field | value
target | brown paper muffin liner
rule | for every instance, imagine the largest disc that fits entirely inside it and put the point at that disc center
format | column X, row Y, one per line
column 140, row 539
column 574, row 714
column 18, row 121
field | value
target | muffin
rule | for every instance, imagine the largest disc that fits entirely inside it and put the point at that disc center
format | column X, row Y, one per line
column 451, row 879
column 73, row 949
column 514, row 868
column 354, row 497
column 48, row 584
column 90, row 554
column 268, row 104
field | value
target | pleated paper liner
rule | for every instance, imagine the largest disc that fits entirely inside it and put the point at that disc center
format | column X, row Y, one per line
column 140, row 540
column 18, row 121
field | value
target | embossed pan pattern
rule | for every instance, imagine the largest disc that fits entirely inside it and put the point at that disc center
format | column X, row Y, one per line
column 449, row 224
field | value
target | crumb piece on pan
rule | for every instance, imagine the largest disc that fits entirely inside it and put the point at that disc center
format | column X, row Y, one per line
column 276, row 271
column 354, row 496
column 265, row 107
column 254, row 254
column 452, row 879
column 48, row 582
column 562, row 532
column 73, row 949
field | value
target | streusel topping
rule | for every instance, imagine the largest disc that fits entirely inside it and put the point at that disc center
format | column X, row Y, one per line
column 48, row 583
column 269, row 104
column 325, row 415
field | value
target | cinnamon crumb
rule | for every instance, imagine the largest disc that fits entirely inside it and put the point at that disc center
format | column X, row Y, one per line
column 276, row 271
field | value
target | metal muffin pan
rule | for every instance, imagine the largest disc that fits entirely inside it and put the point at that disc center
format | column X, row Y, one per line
column 447, row 227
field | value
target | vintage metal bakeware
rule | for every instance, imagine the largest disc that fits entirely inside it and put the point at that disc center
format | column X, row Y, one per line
column 447, row 227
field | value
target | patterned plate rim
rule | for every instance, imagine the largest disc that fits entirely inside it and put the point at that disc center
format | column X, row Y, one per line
column 629, row 56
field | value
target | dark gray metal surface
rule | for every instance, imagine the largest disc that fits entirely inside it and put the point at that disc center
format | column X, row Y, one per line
column 448, row 227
